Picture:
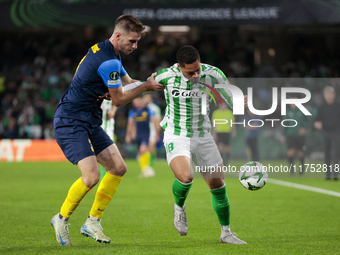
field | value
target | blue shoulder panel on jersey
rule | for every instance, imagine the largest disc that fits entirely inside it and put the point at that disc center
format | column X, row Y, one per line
column 131, row 116
column 123, row 72
column 110, row 72
column 151, row 112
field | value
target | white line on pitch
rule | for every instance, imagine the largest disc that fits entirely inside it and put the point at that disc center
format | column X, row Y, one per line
column 304, row 187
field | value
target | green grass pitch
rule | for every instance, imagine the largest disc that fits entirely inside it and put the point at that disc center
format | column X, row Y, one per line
column 139, row 219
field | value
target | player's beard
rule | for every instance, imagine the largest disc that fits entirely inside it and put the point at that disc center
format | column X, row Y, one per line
column 127, row 51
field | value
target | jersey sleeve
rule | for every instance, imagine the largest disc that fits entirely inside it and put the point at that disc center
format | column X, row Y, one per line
column 163, row 76
column 151, row 113
column 110, row 72
column 132, row 85
column 123, row 72
column 160, row 77
column 131, row 114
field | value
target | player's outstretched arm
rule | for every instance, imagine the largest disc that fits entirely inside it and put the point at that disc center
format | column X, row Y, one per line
column 120, row 97
column 156, row 122
column 130, row 130
column 126, row 79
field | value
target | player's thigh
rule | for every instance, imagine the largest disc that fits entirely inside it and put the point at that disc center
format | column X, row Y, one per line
column 73, row 137
column 178, row 156
column 100, row 140
column 176, row 146
column 205, row 152
column 111, row 159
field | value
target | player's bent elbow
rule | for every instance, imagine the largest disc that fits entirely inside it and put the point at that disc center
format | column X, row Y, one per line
column 117, row 102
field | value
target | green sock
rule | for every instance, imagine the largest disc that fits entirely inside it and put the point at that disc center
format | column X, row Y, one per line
column 102, row 172
column 152, row 158
column 180, row 191
column 220, row 204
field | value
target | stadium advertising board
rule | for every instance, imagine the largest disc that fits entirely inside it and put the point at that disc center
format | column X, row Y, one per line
column 19, row 150
column 30, row 13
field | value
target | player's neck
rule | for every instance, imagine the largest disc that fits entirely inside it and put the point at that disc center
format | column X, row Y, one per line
column 114, row 44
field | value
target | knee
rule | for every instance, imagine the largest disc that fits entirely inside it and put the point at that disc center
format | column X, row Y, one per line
column 122, row 169
column 119, row 170
column 215, row 183
column 185, row 178
column 90, row 180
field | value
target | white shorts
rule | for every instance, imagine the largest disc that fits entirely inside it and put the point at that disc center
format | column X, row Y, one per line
column 202, row 151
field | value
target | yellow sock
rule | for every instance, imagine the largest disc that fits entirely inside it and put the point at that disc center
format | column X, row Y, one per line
column 75, row 194
column 144, row 161
column 105, row 192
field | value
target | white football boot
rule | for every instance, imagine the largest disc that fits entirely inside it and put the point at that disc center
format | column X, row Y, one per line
column 148, row 172
column 93, row 229
column 60, row 225
column 180, row 220
column 228, row 237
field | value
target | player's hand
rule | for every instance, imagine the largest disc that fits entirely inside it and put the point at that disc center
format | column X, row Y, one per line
column 302, row 131
column 127, row 139
column 318, row 125
column 152, row 85
column 282, row 139
column 245, row 101
column 110, row 114
column 106, row 96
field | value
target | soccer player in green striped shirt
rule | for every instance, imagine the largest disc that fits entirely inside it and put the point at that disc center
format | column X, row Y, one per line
column 187, row 136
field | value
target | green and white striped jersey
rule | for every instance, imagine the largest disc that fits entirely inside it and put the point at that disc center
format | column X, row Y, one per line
column 184, row 114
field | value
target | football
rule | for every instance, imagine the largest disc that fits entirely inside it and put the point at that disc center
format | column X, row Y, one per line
column 253, row 175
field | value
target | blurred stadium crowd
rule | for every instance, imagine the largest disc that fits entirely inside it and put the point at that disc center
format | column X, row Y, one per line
column 36, row 69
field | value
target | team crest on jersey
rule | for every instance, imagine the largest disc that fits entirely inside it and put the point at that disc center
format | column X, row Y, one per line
column 177, row 84
column 114, row 76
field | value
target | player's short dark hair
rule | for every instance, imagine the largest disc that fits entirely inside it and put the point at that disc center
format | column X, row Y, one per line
column 130, row 23
column 187, row 54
